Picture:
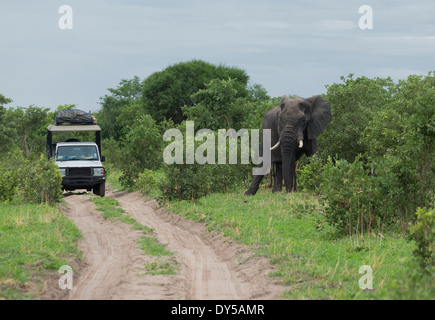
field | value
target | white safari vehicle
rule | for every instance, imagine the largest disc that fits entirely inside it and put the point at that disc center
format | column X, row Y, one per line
column 80, row 163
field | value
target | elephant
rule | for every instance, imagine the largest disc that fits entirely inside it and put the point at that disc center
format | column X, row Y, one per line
column 295, row 124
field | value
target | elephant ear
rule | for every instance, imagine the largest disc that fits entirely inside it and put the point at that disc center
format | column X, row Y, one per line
column 320, row 116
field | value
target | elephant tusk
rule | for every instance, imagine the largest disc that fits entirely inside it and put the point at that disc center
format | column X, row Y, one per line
column 275, row 146
column 301, row 143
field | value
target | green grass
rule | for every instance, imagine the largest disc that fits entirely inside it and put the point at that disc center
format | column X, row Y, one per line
column 152, row 247
column 291, row 232
column 112, row 178
column 109, row 207
column 34, row 240
column 163, row 267
column 111, row 210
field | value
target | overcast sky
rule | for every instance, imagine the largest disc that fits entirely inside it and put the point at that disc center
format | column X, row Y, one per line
column 289, row 47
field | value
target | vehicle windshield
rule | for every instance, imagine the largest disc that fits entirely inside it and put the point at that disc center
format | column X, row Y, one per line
column 77, row 153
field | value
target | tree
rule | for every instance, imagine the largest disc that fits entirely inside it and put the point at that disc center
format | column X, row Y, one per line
column 142, row 149
column 28, row 125
column 215, row 107
column 5, row 130
column 167, row 91
column 120, row 108
column 353, row 105
column 404, row 131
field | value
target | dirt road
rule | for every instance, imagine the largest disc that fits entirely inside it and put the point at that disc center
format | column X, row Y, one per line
column 210, row 266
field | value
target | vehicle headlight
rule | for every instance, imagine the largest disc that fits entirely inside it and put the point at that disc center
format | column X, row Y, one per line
column 98, row 171
column 62, row 171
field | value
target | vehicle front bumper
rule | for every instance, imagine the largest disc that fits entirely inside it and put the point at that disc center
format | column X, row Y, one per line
column 81, row 182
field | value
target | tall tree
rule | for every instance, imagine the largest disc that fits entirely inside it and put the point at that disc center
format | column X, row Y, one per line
column 5, row 130
column 120, row 107
column 167, row 91
column 29, row 125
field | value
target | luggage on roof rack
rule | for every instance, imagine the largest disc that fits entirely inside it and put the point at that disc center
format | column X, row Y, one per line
column 74, row 116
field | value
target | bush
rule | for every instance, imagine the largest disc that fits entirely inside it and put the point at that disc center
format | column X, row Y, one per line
column 41, row 181
column 112, row 151
column 344, row 192
column 357, row 201
column 8, row 178
column 423, row 233
column 310, row 174
column 37, row 181
column 142, row 150
column 354, row 103
column 193, row 181
column 148, row 182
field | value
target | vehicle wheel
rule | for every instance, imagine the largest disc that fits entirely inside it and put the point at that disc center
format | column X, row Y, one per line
column 102, row 189
column 96, row 189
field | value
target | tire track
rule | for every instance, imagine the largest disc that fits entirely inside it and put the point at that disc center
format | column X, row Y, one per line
column 209, row 263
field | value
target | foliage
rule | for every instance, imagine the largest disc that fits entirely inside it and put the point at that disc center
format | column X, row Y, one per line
column 345, row 194
column 192, row 181
column 37, row 181
column 27, row 128
column 166, row 92
column 255, row 111
column 41, row 181
column 423, row 233
column 9, row 175
column 120, row 108
column 215, row 108
column 353, row 104
column 220, row 106
column 5, row 130
column 111, row 149
column 309, row 175
column 141, row 150
column 392, row 126
column 148, row 182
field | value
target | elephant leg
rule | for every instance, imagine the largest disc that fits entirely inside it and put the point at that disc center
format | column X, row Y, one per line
column 254, row 186
column 277, row 186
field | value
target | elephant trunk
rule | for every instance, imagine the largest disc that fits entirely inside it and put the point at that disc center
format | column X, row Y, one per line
column 289, row 164
column 288, row 173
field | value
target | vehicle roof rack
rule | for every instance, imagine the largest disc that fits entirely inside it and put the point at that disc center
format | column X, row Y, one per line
column 76, row 128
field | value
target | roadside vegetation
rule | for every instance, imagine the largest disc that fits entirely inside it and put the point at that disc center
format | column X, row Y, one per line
column 366, row 199
column 292, row 232
column 35, row 241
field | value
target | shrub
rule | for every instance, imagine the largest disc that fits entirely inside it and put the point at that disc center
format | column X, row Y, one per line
column 41, row 181
column 192, row 181
column 11, row 179
column 343, row 193
column 38, row 181
column 310, row 174
column 112, row 151
column 423, row 233
column 142, row 150
column 355, row 201
column 148, row 182
column 8, row 184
